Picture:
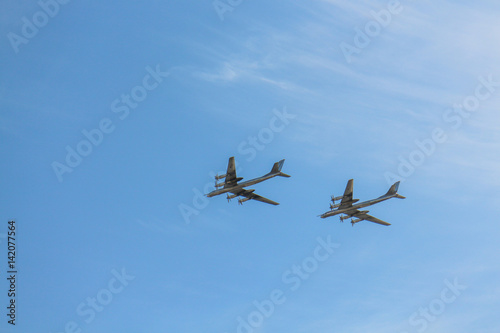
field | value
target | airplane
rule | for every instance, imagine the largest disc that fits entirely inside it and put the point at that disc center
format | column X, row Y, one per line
column 231, row 185
column 351, row 210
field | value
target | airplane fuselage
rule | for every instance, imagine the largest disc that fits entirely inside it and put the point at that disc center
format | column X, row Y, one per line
column 357, row 206
column 241, row 185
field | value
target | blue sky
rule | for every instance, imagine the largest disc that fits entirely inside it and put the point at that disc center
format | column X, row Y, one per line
column 169, row 90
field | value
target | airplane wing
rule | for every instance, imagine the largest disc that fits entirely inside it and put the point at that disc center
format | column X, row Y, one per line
column 231, row 179
column 370, row 218
column 347, row 198
column 252, row 196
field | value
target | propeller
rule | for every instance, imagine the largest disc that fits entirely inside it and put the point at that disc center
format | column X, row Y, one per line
column 241, row 201
column 232, row 196
column 334, row 198
column 332, row 207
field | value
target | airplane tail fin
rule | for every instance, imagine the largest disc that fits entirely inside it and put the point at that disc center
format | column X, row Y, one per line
column 277, row 169
column 394, row 191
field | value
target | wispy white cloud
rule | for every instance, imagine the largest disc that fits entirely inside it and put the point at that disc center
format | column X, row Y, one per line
column 426, row 60
column 226, row 73
column 359, row 8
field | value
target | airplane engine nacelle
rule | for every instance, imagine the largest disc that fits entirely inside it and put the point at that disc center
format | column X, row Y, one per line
column 219, row 185
column 334, row 206
column 336, row 198
column 356, row 220
column 217, row 177
column 241, row 201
